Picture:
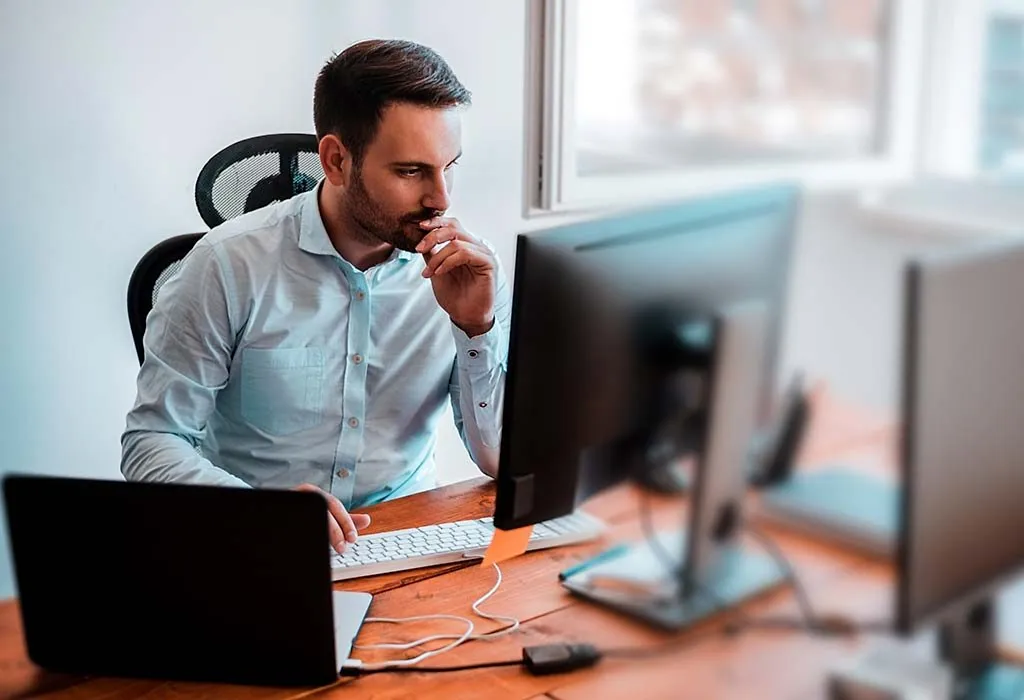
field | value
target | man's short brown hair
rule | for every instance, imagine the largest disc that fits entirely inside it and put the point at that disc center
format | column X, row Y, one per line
column 355, row 86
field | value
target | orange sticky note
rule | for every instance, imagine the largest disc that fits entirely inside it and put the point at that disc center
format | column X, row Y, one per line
column 506, row 544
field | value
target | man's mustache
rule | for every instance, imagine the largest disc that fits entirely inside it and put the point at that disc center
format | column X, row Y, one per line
column 422, row 215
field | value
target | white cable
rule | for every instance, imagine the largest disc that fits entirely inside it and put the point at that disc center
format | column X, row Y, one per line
column 423, row 656
column 491, row 616
column 418, row 642
column 458, row 638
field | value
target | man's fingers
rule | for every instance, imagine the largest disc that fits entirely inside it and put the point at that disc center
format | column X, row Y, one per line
column 435, row 237
column 336, row 535
column 439, row 221
column 361, row 520
column 342, row 517
column 450, row 231
column 340, row 528
column 456, row 259
column 435, row 259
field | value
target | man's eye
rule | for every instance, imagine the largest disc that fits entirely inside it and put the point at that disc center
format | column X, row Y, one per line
column 408, row 172
column 452, row 165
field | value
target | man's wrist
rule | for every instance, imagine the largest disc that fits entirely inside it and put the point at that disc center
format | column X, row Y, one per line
column 474, row 329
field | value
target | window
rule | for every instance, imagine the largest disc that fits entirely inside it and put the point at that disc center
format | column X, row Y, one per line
column 645, row 98
column 1001, row 131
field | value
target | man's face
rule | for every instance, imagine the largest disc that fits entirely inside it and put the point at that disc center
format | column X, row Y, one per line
column 406, row 174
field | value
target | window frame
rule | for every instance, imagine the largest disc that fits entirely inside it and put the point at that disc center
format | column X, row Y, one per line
column 553, row 185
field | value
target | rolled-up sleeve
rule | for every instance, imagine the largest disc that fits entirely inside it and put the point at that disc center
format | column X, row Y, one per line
column 477, row 386
column 188, row 342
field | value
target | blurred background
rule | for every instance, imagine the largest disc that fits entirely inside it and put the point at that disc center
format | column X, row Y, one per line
column 902, row 119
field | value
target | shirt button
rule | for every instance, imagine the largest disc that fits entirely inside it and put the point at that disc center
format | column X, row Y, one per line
column 482, row 404
column 357, row 358
column 353, row 422
column 360, row 295
column 343, row 473
column 473, row 353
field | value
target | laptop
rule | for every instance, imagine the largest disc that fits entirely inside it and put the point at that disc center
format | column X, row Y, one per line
column 178, row 582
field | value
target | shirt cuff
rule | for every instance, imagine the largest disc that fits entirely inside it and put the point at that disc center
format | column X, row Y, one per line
column 482, row 353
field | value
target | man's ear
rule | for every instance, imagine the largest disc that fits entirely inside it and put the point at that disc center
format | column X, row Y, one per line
column 335, row 160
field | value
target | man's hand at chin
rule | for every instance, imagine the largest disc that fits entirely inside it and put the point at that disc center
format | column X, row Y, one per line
column 462, row 273
column 342, row 527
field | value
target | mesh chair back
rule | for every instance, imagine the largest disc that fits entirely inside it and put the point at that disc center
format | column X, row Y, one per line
column 154, row 268
column 256, row 172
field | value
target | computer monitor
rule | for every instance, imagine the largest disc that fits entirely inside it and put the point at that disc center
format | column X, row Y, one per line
column 962, row 453
column 635, row 340
column 611, row 324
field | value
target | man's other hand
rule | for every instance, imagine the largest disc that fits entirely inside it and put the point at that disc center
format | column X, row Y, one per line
column 342, row 527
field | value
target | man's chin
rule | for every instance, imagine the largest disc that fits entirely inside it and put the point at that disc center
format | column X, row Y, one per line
column 408, row 237
column 407, row 246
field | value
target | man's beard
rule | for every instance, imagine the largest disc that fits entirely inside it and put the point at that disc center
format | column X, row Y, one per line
column 377, row 226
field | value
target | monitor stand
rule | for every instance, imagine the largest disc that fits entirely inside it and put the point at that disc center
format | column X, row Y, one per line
column 639, row 584
column 968, row 644
column 703, row 569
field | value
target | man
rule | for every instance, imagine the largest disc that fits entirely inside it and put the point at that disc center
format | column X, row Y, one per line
column 313, row 344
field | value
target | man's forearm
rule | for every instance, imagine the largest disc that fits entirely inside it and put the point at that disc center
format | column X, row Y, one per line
column 480, row 387
column 166, row 457
column 481, row 397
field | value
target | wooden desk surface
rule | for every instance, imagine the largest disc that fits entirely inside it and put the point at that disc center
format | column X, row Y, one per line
column 708, row 664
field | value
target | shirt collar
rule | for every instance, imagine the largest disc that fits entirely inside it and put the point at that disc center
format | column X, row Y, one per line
column 313, row 236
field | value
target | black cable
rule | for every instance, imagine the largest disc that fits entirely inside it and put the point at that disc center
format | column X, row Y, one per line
column 586, row 653
column 356, row 671
column 829, row 625
column 657, row 649
column 674, row 569
column 668, row 561
column 808, row 621
column 782, row 561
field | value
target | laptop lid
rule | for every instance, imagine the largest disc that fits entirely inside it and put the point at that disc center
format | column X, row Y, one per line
column 173, row 581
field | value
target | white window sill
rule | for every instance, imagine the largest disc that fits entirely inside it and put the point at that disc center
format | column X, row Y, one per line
column 947, row 209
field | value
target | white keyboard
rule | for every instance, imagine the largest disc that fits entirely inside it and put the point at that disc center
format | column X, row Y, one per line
column 445, row 543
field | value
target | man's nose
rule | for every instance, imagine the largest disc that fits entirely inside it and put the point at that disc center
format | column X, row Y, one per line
column 439, row 197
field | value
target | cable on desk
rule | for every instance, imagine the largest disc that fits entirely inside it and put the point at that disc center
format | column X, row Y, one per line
column 786, row 567
column 457, row 639
column 539, row 659
column 562, row 658
column 357, row 669
column 809, row 620
column 655, row 650
column 668, row 561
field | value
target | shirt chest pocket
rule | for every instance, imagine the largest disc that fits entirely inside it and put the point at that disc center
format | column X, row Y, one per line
column 282, row 388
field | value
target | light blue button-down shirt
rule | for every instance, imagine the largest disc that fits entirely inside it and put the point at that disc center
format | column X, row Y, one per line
column 284, row 364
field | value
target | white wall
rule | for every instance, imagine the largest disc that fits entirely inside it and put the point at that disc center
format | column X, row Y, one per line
column 845, row 313
column 108, row 110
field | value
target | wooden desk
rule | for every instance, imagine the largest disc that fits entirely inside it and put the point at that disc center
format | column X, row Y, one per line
column 755, row 664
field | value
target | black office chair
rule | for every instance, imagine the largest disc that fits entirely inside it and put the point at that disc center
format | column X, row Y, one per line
column 156, row 267
column 256, row 172
column 240, row 178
